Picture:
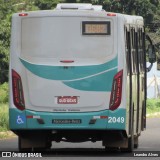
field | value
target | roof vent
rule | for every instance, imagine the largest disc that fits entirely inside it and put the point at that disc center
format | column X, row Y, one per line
column 78, row 6
column 97, row 7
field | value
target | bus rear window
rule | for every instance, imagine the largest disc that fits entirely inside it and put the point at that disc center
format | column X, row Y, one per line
column 62, row 38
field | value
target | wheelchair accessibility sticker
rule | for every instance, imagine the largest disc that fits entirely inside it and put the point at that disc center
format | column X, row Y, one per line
column 21, row 119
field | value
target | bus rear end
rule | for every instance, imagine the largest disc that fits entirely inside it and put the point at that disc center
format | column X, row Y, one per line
column 65, row 81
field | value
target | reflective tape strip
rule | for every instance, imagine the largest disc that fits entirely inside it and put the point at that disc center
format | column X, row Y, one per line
column 104, row 117
column 100, row 117
column 29, row 116
column 96, row 117
column 34, row 117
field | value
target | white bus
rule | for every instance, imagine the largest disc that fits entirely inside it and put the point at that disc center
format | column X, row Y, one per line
column 77, row 73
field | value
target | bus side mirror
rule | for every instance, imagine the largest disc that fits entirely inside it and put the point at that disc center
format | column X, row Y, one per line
column 150, row 51
column 158, row 62
column 151, row 54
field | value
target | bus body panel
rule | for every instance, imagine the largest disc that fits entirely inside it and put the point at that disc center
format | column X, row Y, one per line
column 91, row 90
column 103, row 120
column 68, row 76
column 43, row 75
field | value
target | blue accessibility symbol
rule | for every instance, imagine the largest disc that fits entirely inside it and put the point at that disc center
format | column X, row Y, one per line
column 20, row 119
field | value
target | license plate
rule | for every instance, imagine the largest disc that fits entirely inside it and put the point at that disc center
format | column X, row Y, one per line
column 67, row 100
column 66, row 121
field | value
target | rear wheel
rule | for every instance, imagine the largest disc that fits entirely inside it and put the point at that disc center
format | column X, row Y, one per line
column 136, row 141
column 130, row 144
column 131, row 138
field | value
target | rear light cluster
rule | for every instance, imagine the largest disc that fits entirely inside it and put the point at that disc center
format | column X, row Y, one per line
column 17, row 88
column 23, row 14
column 116, row 94
column 111, row 14
column 66, row 61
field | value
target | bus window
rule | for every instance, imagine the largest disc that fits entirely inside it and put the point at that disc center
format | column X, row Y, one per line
column 133, row 51
column 128, row 50
column 140, row 50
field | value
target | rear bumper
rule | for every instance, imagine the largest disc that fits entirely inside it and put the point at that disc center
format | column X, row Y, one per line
column 101, row 120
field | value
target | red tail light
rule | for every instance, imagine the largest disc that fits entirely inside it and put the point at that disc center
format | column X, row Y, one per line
column 23, row 14
column 67, row 61
column 116, row 94
column 18, row 97
column 111, row 14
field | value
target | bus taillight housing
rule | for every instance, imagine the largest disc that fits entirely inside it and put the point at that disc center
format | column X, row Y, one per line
column 116, row 94
column 18, row 97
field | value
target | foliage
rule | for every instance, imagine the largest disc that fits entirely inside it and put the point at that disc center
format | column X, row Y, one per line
column 149, row 9
column 4, row 120
column 7, row 7
column 153, row 105
column 5, row 14
column 4, row 94
column 47, row 4
column 146, row 8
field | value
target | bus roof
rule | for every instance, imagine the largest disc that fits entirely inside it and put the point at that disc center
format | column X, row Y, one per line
column 79, row 6
column 132, row 19
column 81, row 9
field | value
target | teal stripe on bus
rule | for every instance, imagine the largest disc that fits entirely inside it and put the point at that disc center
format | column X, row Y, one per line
column 73, row 72
column 101, row 82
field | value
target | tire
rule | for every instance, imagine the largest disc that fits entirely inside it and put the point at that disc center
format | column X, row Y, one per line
column 131, row 139
column 130, row 144
column 136, row 142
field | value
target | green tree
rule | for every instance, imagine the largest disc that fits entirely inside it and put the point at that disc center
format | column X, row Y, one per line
column 149, row 9
column 5, row 16
column 145, row 8
column 47, row 4
column 7, row 8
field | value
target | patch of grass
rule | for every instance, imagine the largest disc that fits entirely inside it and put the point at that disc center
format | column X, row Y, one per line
column 7, row 134
column 4, row 93
column 3, row 136
column 4, row 117
column 153, row 106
